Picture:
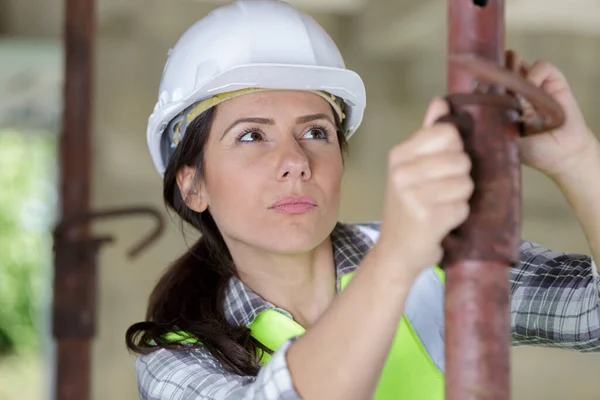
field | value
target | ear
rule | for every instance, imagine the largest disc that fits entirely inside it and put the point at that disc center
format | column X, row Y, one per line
column 190, row 189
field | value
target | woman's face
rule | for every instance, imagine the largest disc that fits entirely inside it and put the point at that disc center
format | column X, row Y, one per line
column 273, row 171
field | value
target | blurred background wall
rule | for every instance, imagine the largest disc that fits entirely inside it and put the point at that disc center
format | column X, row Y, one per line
column 398, row 47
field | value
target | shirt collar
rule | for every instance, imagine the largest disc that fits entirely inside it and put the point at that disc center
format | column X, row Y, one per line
column 242, row 305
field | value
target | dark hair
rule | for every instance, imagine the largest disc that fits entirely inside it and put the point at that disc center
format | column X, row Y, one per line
column 189, row 296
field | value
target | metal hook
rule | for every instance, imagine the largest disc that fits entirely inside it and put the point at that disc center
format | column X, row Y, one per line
column 550, row 114
column 69, row 221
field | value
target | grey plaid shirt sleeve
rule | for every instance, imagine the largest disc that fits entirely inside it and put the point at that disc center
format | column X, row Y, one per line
column 555, row 300
column 195, row 374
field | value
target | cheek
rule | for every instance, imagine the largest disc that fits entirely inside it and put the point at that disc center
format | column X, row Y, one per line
column 327, row 172
column 230, row 180
column 234, row 189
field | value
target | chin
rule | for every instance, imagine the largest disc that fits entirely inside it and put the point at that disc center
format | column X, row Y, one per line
column 293, row 236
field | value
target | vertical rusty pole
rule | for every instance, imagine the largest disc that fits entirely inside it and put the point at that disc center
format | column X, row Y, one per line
column 479, row 252
column 75, row 249
column 74, row 282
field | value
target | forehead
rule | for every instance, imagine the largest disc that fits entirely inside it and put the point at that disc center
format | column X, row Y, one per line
column 274, row 102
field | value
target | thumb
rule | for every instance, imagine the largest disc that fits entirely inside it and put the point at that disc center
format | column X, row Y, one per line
column 437, row 109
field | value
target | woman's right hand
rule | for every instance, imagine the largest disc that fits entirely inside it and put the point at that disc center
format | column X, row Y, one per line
column 427, row 195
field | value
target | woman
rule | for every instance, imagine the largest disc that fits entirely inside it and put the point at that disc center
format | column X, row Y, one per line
column 254, row 112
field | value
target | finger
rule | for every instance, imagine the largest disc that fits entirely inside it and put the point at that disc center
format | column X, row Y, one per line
column 432, row 168
column 447, row 190
column 515, row 63
column 450, row 216
column 510, row 60
column 547, row 76
column 454, row 209
column 437, row 109
column 439, row 138
column 551, row 80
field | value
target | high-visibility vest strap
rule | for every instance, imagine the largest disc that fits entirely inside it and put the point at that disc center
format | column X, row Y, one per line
column 409, row 372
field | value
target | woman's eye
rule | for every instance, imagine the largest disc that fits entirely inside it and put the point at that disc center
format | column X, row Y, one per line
column 252, row 136
column 316, row 133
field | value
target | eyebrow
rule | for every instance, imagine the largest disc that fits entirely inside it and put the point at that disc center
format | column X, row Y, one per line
column 314, row 117
column 268, row 121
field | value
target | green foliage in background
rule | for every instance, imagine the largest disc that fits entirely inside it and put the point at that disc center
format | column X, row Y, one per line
column 27, row 204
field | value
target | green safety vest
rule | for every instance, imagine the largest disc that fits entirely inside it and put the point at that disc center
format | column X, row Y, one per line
column 409, row 372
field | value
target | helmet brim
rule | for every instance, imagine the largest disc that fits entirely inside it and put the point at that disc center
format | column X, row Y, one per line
column 340, row 82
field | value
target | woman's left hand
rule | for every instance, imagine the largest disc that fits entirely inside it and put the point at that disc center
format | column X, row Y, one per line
column 561, row 150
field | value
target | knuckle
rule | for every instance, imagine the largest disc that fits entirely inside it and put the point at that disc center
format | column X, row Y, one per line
column 427, row 130
column 545, row 64
column 429, row 134
column 444, row 126
column 470, row 186
column 465, row 161
column 451, row 132
column 457, row 213
column 455, row 141
column 408, row 197
column 396, row 155
column 399, row 178
column 463, row 211
column 415, row 205
column 467, row 183
column 460, row 162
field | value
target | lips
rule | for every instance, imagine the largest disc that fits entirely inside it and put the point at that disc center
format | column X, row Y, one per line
column 294, row 205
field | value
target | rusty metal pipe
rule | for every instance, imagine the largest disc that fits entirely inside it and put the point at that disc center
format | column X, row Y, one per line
column 75, row 249
column 479, row 252
column 477, row 331
column 76, row 283
column 485, row 108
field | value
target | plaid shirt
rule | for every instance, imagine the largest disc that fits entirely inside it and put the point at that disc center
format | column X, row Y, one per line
column 555, row 301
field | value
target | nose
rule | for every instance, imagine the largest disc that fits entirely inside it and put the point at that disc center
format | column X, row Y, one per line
column 294, row 163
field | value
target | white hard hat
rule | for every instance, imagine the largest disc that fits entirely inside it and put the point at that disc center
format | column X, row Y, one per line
column 250, row 44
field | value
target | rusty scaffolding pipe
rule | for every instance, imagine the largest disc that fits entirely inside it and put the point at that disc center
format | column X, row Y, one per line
column 481, row 93
column 75, row 249
column 73, row 352
column 477, row 291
